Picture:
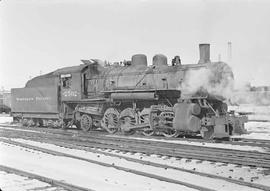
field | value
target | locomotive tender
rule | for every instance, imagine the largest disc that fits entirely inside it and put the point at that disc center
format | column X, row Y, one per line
column 131, row 96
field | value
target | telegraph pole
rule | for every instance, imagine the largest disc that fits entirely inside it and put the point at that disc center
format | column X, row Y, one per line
column 229, row 52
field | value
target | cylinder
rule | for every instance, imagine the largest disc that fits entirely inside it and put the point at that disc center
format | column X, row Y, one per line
column 204, row 53
column 139, row 60
column 160, row 60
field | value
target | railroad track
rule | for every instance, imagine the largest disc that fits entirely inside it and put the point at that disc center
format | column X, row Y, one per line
column 151, row 175
column 55, row 184
column 232, row 141
column 246, row 141
column 128, row 170
column 245, row 158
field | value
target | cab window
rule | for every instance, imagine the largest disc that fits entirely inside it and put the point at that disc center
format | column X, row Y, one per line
column 66, row 80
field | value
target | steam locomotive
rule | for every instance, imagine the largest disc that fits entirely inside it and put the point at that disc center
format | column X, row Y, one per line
column 133, row 97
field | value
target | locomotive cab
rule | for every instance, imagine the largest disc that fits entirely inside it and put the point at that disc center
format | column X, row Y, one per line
column 70, row 91
column 70, row 86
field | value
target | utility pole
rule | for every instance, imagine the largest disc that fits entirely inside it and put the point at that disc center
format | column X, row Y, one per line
column 229, row 52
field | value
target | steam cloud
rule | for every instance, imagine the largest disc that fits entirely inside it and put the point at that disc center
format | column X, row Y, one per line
column 216, row 81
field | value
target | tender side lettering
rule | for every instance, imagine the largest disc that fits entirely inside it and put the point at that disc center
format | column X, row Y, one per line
column 33, row 98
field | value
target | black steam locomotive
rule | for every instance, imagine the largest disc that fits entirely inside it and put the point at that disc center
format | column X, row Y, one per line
column 133, row 97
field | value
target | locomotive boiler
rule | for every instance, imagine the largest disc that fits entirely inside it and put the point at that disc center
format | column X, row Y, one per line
column 133, row 97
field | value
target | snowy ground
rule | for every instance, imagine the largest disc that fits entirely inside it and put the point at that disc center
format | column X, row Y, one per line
column 13, row 182
column 230, row 170
column 5, row 119
column 76, row 172
column 104, row 178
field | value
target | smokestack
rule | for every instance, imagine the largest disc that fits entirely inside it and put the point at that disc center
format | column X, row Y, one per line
column 229, row 52
column 204, row 53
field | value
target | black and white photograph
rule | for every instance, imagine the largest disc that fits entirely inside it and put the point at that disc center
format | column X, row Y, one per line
column 134, row 95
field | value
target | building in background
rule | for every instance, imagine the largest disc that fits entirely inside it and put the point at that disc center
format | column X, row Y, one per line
column 255, row 95
column 5, row 101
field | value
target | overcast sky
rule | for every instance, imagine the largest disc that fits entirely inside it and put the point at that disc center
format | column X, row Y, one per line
column 43, row 35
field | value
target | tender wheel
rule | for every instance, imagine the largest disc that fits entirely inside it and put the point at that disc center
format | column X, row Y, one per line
column 110, row 120
column 24, row 122
column 31, row 123
column 50, row 123
column 207, row 134
column 39, row 123
column 86, row 122
column 127, row 119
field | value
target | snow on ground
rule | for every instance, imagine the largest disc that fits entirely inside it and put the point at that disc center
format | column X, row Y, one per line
column 248, row 174
column 13, row 182
column 215, row 184
column 5, row 119
column 78, row 172
column 26, row 130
